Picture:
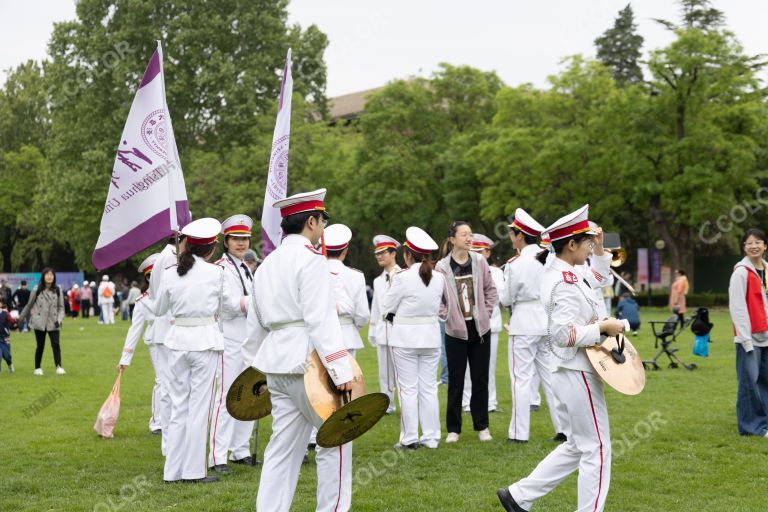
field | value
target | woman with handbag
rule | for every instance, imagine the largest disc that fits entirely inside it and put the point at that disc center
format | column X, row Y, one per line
column 45, row 311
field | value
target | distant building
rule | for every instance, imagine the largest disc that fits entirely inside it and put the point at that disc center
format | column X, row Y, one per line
column 345, row 109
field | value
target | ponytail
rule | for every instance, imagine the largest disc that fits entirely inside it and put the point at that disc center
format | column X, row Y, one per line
column 427, row 264
column 541, row 257
column 187, row 258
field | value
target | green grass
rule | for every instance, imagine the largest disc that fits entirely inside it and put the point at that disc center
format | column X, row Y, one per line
column 693, row 460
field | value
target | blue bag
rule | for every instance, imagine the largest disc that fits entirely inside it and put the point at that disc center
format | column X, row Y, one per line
column 701, row 345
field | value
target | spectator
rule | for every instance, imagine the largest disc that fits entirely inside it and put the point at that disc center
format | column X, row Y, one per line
column 5, row 292
column 95, row 302
column 677, row 295
column 46, row 312
column 628, row 310
column 20, row 299
column 252, row 260
column 7, row 324
column 86, row 296
column 74, row 300
column 107, row 300
column 133, row 293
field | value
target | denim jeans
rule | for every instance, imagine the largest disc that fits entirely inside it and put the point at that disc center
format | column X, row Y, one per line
column 752, row 394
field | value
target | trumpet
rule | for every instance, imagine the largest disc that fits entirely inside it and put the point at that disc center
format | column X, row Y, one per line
column 618, row 257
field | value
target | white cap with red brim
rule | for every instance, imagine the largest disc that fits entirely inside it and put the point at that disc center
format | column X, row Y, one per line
column 303, row 202
column 147, row 265
column 383, row 243
column 202, row 231
column 525, row 223
column 417, row 240
column 237, row 225
column 337, row 237
column 481, row 242
column 572, row 224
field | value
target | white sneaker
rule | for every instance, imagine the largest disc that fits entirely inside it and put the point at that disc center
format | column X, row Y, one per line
column 452, row 437
column 10, row 369
column 38, row 371
column 484, row 435
column 432, row 445
column 60, row 370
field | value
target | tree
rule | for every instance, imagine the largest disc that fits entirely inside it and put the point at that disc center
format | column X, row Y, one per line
column 619, row 48
column 698, row 14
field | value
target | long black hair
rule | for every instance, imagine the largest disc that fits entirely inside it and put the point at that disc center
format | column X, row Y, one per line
column 42, row 285
column 187, row 258
column 427, row 264
column 559, row 245
column 446, row 247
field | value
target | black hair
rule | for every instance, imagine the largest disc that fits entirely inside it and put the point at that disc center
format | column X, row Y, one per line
column 333, row 254
column 172, row 240
column 187, row 258
column 227, row 237
column 42, row 279
column 23, row 282
column 446, row 247
column 145, row 283
column 757, row 233
column 427, row 264
column 559, row 245
column 390, row 250
column 294, row 224
column 681, row 272
column 530, row 240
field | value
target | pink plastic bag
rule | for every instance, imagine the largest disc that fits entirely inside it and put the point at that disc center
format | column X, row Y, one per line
column 107, row 417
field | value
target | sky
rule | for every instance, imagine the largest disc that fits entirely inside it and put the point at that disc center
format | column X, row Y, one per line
column 373, row 42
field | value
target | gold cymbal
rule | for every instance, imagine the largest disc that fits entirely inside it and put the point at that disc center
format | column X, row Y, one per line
column 627, row 376
column 352, row 420
column 322, row 393
column 248, row 398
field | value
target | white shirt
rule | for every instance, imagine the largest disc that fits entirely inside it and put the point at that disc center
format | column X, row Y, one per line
column 416, row 308
column 234, row 314
column 378, row 331
column 196, row 296
column 353, row 307
column 142, row 316
column 522, row 287
column 295, row 313
column 572, row 315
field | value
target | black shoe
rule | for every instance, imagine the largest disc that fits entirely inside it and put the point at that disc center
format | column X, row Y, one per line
column 498, row 409
column 311, row 446
column 306, row 458
column 245, row 461
column 559, row 438
column 508, row 502
column 172, row 481
column 157, row 432
column 516, row 441
column 207, row 480
column 221, row 468
column 535, row 408
column 412, row 446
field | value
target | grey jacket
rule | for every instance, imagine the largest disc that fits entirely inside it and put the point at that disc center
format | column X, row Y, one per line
column 737, row 305
column 45, row 309
column 486, row 297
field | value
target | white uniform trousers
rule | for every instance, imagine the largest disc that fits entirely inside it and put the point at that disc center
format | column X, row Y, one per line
column 161, row 400
column 161, row 360
column 415, row 370
column 535, row 383
column 529, row 355
column 191, row 391
column 108, row 310
column 227, row 433
column 292, row 421
column 588, row 448
column 466, row 397
column 386, row 375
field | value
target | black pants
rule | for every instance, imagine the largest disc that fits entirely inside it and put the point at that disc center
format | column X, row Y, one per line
column 40, row 338
column 478, row 352
column 681, row 318
column 85, row 307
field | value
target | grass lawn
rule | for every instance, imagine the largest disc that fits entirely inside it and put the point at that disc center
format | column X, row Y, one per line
column 676, row 447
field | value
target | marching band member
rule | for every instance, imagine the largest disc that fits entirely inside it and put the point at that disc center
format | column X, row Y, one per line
column 412, row 304
column 379, row 331
column 143, row 317
column 337, row 237
column 527, row 351
column 294, row 315
column 193, row 293
column 229, row 435
column 572, row 325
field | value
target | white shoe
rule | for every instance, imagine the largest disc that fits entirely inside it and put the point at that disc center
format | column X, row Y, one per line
column 452, row 437
column 484, row 435
column 60, row 370
column 38, row 371
column 10, row 369
column 432, row 445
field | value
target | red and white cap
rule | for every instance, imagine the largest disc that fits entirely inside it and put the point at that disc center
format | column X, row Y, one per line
column 572, row 224
column 147, row 265
column 525, row 223
column 237, row 225
column 383, row 243
column 481, row 242
column 417, row 240
column 202, row 231
column 545, row 240
column 337, row 237
column 303, row 202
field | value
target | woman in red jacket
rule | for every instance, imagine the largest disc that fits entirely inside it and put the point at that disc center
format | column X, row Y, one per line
column 749, row 313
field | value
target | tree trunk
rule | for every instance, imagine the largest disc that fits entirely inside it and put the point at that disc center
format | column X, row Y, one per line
column 678, row 244
column 7, row 250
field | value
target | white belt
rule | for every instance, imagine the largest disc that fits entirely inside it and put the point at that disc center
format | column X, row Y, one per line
column 414, row 320
column 343, row 320
column 530, row 301
column 285, row 325
column 189, row 321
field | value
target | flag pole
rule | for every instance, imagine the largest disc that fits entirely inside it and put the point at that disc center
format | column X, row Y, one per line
column 174, row 221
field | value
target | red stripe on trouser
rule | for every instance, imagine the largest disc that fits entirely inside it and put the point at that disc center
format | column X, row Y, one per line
column 599, row 440
column 341, row 461
column 218, row 409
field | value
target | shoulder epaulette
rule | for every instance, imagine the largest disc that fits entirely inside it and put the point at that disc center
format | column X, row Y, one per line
column 569, row 277
column 401, row 271
column 513, row 258
column 334, row 273
column 174, row 265
column 313, row 249
column 220, row 260
column 145, row 294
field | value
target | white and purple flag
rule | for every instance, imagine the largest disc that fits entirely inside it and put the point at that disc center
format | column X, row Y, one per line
column 146, row 177
column 277, row 179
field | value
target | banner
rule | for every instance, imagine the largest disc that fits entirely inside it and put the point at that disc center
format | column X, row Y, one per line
column 277, row 179
column 146, row 177
column 63, row 279
column 642, row 266
column 655, row 266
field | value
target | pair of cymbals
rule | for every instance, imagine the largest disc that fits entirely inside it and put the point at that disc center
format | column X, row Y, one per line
column 618, row 364
column 248, row 398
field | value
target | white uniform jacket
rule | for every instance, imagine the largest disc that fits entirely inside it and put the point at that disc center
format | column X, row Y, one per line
column 572, row 315
column 236, row 285
column 597, row 273
column 416, row 308
column 296, row 313
column 522, row 287
column 378, row 330
column 162, row 323
column 143, row 316
column 194, row 301
column 353, row 282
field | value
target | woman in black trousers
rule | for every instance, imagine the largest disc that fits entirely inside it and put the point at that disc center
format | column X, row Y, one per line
column 45, row 311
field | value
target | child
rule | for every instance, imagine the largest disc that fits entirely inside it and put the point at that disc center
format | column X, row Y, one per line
column 628, row 309
column 7, row 322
